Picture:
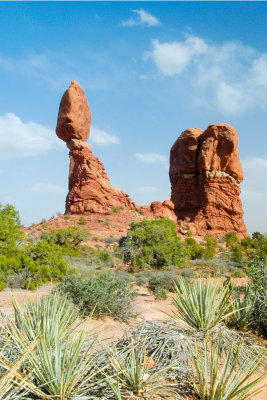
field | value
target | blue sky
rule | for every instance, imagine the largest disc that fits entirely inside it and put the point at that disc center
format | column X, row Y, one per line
column 150, row 70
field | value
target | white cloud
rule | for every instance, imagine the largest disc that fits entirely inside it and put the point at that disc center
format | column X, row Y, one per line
column 48, row 189
column 228, row 75
column 143, row 18
column 103, row 138
column 150, row 158
column 172, row 58
column 24, row 139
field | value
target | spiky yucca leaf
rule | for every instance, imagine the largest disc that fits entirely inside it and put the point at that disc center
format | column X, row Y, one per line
column 200, row 306
column 243, row 305
column 135, row 378
column 60, row 364
column 44, row 313
column 14, row 377
column 225, row 376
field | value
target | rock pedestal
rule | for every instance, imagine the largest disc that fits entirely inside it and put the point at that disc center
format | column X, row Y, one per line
column 89, row 187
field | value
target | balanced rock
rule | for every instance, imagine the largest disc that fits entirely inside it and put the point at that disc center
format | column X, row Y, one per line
column 205, row 174
column 74, row 115
column 89, row 187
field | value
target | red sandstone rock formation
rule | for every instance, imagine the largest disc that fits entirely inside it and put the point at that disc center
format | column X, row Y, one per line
column 205, row 175
column 89, row 187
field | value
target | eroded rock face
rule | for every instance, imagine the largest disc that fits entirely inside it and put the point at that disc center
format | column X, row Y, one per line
column 205, row 175
column 74, row 115
column 89, row 187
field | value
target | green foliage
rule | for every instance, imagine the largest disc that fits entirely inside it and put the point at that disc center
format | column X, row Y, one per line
column 257, row 272
column 153, row 244
column 82, row 221
column 70, row 237
column 243, row 302
column 133, row 378
column 188, row 273
column 60, row 364
column 247, row 242
column 10, row 234
column 225, row 376
column 195, row 250
column 161, row 283
column 105, row 294
column 238, row 273
column 211, row 244
column 236, row 253
column 231, row 239
column 200, row 306
column 30, row 265
column 140, row 279
column 113, row 210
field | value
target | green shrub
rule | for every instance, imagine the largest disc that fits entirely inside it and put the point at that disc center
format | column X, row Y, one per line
column 70, row 237
column 257, row 272
column 161, row 283
column 113, row 210
column 188, row 273
column 82, row 221
column 231, row 239
column 247, row 242
column 210, row 246
column 236, row 253
column 153, row 244
column 195, row 250
column 238, row 273
column 140, row 279
column 11, row 236
column 104, row 294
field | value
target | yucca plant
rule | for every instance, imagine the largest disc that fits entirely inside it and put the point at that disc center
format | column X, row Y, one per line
column 201, row 305
column 225, row 376
column 63, row 362
column 45, row 315
column 11, row 375
column 243, row 305
column 135, row 378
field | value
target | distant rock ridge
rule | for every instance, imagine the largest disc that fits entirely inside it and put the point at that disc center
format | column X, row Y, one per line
column 205, row 174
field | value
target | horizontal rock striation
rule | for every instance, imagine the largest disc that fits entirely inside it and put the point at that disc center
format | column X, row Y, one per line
column 89, row 187
column 205, row 174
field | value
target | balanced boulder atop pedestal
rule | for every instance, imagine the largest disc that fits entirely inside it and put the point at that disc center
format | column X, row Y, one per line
column 89, row 187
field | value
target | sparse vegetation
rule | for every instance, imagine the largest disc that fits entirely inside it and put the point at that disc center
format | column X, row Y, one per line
column 105, row 294
column 153, row 244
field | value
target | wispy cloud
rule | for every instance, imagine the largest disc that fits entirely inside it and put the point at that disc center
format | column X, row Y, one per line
column 102, row 138
column 44, row 65
column 229, row 75
column 150, row 158
column 24, row 139
column 143, row 18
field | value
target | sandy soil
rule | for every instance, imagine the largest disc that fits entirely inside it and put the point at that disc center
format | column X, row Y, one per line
column 108, row 328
